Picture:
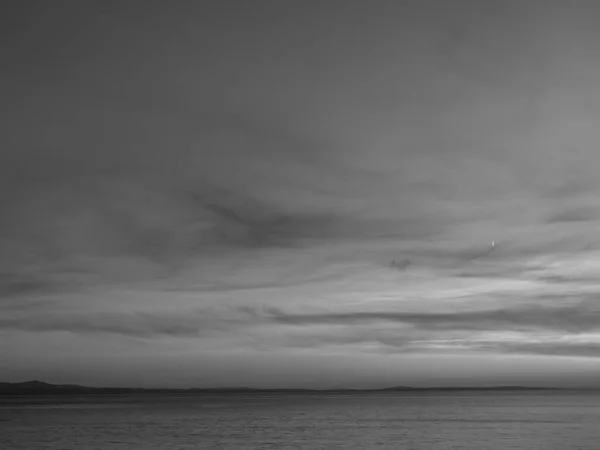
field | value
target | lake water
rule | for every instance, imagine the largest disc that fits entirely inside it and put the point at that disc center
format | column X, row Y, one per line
column 428, row 421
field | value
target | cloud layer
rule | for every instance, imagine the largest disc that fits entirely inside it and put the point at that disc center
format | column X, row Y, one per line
column 401, row 178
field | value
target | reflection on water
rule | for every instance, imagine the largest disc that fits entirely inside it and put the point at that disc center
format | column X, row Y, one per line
column 478, row 421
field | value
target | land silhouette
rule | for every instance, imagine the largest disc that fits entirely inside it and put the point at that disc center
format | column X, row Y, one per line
column 35, row 388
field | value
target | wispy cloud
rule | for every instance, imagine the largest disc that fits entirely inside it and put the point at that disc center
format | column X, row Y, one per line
column 527, row 329
column 195, row 323
column 102, row 233
column 568, row 319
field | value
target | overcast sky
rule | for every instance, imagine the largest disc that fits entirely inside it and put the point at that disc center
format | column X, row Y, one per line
column 300, row 193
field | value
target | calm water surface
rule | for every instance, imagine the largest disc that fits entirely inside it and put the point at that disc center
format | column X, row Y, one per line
column 441, row 421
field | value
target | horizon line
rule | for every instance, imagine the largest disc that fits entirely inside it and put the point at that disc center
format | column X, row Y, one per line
column 240, row 388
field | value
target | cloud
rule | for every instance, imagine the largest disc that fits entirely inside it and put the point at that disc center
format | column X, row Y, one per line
column 591, row 349
column 549, row 326
column 15, row 285
column 125, row 230
column 567, row 319
column 195, row 323
column 242, row 221
column 350, row 182
column 567, row 331
column 574, row 214
column 572, row 319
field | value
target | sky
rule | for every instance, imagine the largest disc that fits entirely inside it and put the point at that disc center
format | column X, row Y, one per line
column 300, row 194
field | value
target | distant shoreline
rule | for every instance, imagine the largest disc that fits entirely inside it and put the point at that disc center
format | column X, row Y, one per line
column 37, row 388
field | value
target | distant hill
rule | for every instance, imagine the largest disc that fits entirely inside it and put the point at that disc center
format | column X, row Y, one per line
column 40, row 388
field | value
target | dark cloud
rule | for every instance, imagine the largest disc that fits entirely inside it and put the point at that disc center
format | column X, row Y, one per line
column 11, row 286
column 581, row 214
column 567, row 319
column 491, row 272
column 580, row 280
column 195, row 323
column 400, row 340
column 239, row 220
column 576, row 181
column 82, row 233
column 557, row 348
